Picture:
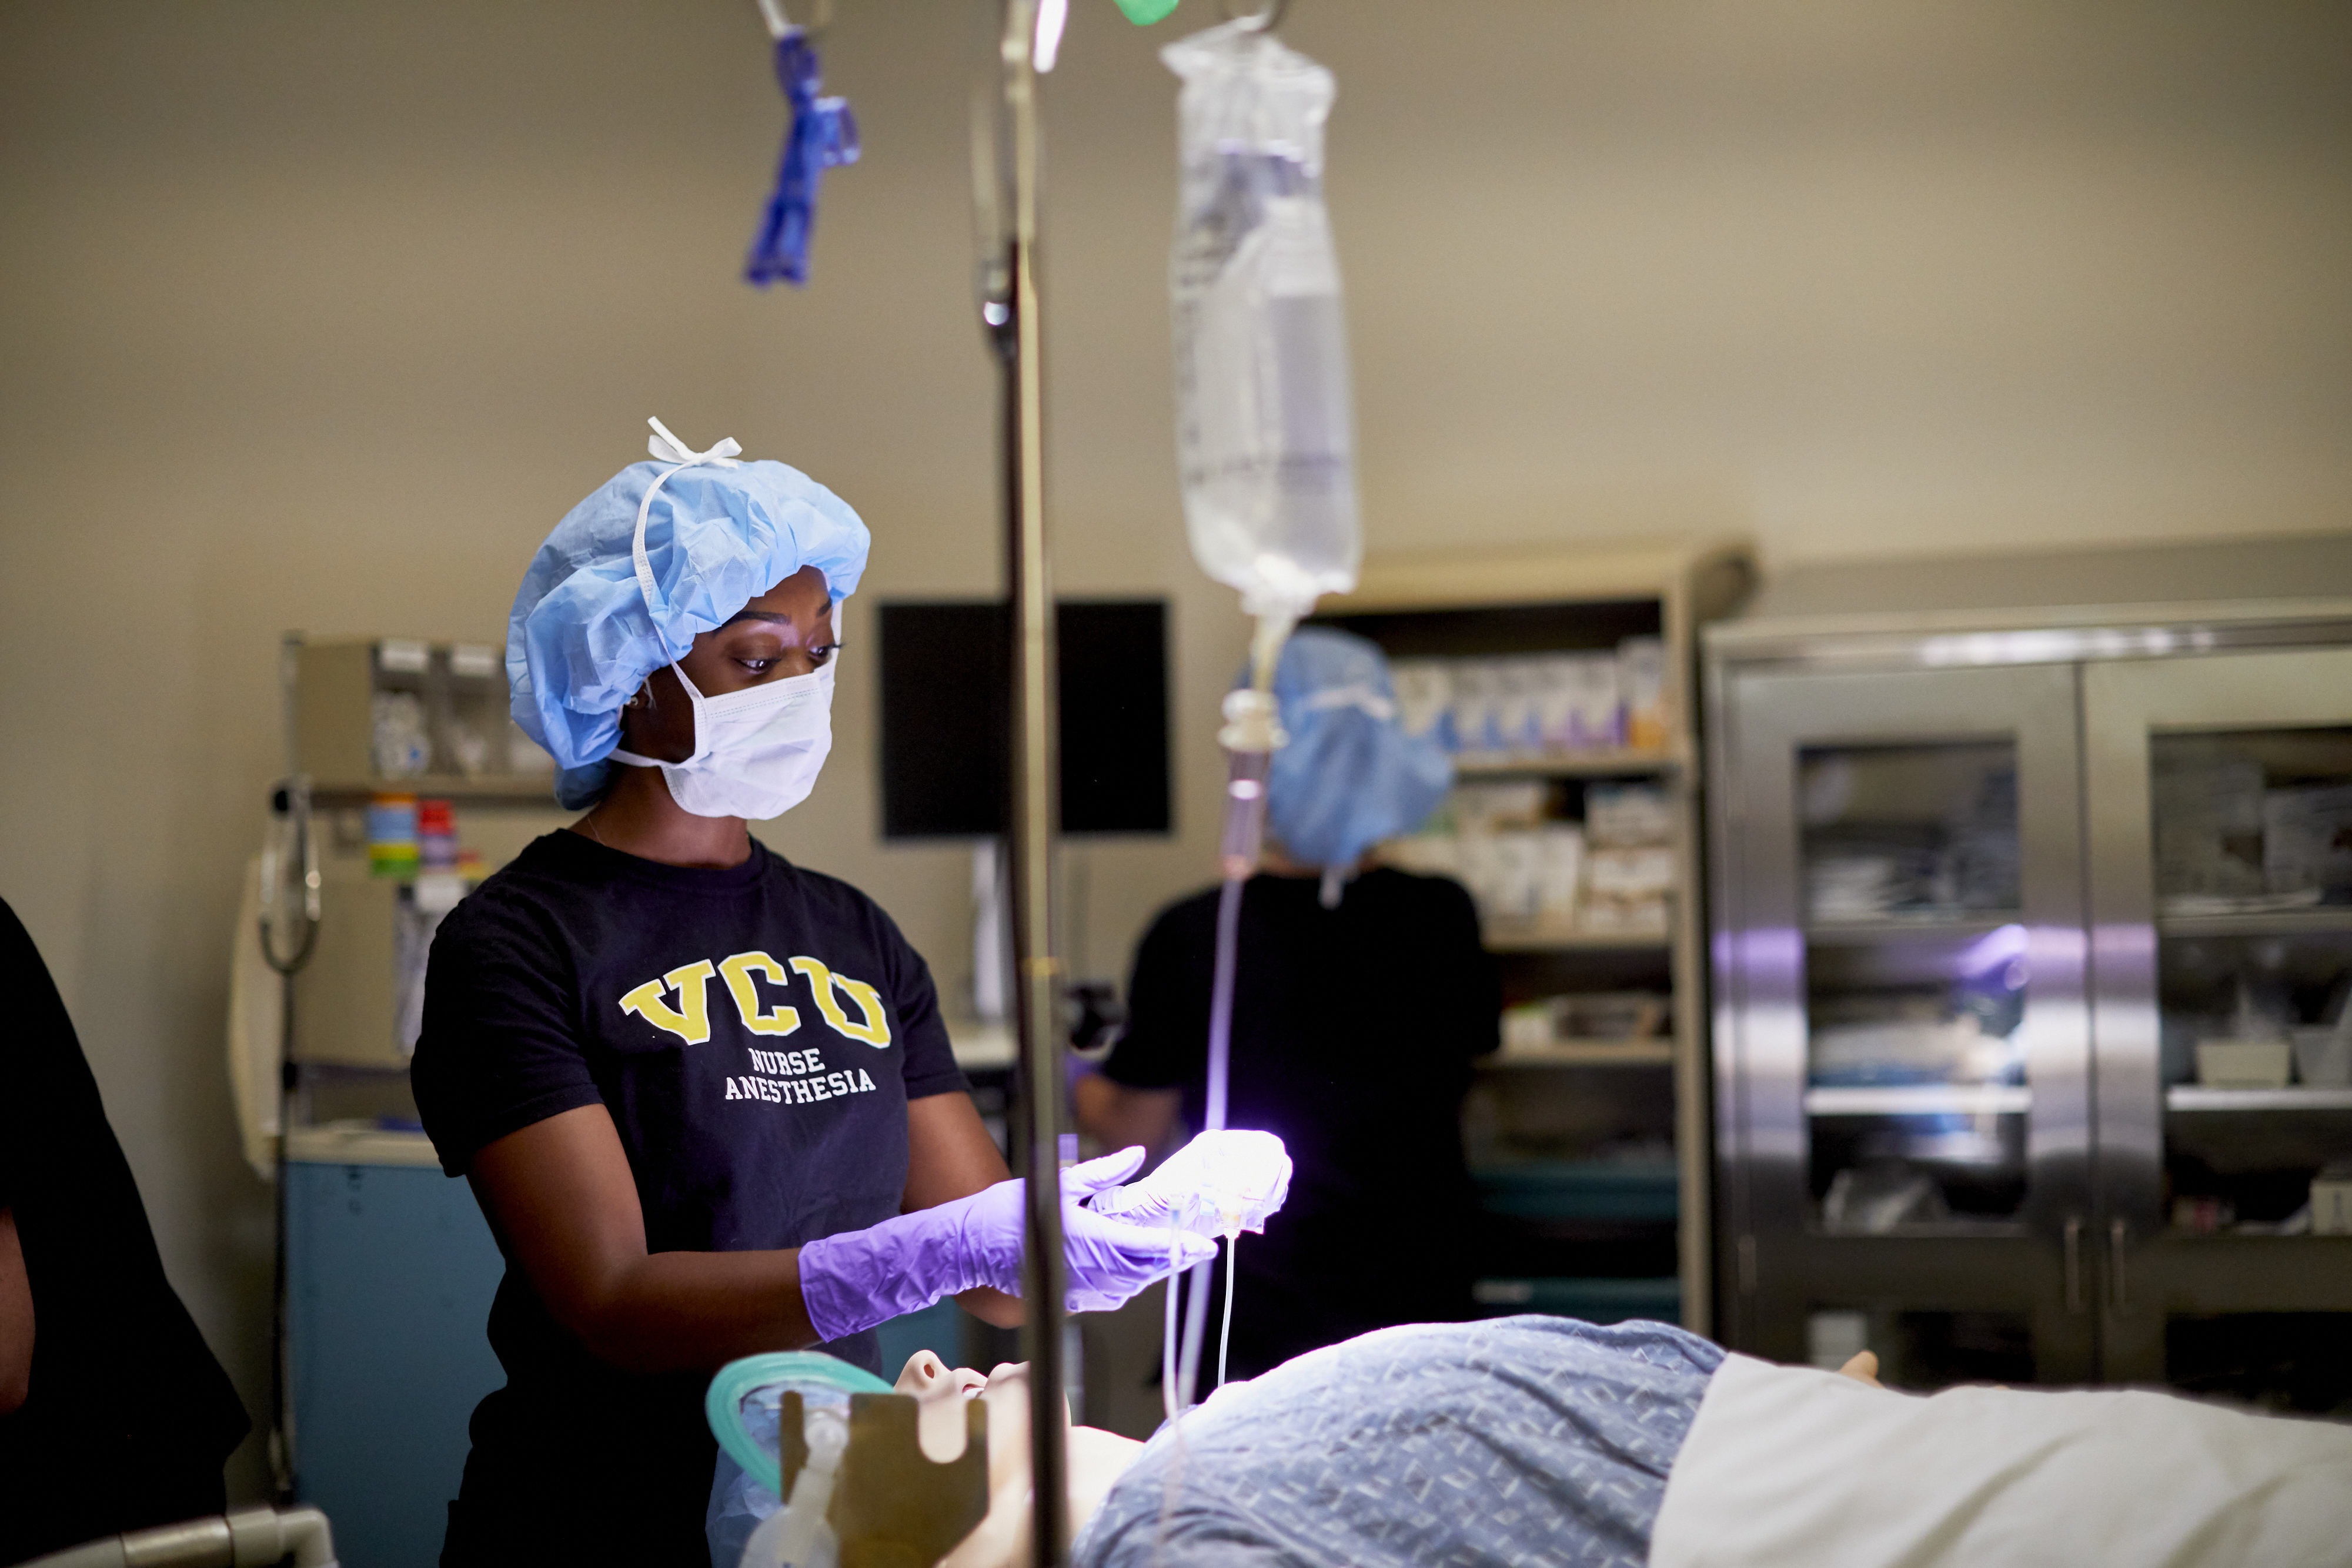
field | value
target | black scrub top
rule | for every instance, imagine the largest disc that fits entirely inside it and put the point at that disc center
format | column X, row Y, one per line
column 756, row 1033
column 1353, row 1033
column 128, row 1417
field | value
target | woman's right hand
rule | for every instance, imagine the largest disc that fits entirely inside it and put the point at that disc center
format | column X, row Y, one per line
column 1109, row 1259
column 1227, row 1179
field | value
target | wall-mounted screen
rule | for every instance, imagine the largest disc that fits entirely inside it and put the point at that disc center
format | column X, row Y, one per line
column 946, row 718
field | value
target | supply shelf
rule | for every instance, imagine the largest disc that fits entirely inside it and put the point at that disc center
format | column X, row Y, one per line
column 406, row 716
column 1562, row 1229
column 1896, row 926
column 2017, row 862
column 2198, row 1097
column 389, row 1269
column 1599, row 763
column 1583, row 1054
column 1920, row 1100
column 2319, row 920
column 1622, row 1191
column 983, row 1046
column 1540, row 937
column 359, row 1143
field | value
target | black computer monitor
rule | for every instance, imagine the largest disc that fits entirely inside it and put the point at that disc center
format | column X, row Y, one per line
column 946, row 718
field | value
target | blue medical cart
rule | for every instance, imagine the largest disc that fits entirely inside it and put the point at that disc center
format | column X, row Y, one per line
column 390, row 1272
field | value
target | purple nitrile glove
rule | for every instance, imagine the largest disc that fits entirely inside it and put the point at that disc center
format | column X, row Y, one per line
column 861, row 1278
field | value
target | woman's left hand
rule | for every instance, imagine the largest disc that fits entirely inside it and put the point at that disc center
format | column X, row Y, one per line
column 863, row 1277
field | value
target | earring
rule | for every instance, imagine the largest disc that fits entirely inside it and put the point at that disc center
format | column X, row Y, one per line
column 637, row 701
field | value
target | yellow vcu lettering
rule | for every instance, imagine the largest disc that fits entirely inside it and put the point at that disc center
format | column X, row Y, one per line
column 690, row 1019
column 876, row 1029
column 737, row 971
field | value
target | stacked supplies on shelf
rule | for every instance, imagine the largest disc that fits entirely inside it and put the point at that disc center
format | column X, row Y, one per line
column 1549, row 1026
column 2209, row 831
column 1873, row 1042
column 1630, row 862
column 1539, row 703
column 414, row 841
column 2226, row 843
column 1529, row 867
column 1868, row 875
column 1499, row 841
column 1962, row 1031
column 1864, row 870
column 443, row 710
column 2307, row 842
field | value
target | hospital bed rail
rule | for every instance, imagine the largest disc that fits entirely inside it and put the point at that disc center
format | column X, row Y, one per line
column 244, row 1537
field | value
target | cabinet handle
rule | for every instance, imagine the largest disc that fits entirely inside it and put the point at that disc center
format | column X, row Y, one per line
column 2118, row 1250
column 2074, row 1263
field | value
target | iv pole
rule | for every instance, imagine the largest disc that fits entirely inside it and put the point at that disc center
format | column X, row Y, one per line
column 1009, row 306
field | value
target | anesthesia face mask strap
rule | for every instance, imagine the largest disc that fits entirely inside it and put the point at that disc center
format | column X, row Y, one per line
column 667, row 448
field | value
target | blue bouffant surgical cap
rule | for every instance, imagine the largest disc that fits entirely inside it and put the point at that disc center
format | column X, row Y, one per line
column 588, row 625
column 1350, row 776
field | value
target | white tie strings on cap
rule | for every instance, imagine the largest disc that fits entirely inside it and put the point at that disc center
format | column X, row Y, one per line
column 666, row 447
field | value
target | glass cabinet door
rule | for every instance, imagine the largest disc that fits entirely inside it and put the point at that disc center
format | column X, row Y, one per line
column 1904, row 1045
column 2220, row 820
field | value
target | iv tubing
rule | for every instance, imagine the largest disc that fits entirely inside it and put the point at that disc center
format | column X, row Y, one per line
column 1226, row 1330
column 1196, row 1322
column 1221, row 1001
column 1168, row 1397
column 1250, row 739
column 1240, row 808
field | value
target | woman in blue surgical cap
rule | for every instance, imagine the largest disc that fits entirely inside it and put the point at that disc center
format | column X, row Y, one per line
column 1361, row 996
column 703, row 1095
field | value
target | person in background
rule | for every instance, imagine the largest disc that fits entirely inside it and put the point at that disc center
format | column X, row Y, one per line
column 703, row 1095
column 1362, row 993
column 114, row 1416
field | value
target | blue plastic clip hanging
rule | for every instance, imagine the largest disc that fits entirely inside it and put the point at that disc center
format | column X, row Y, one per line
column 823, row 133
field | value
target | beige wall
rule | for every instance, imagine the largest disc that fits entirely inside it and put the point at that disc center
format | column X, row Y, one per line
column 317, row 316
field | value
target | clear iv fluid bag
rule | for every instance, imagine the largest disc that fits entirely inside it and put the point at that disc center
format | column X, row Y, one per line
column 1265, row 433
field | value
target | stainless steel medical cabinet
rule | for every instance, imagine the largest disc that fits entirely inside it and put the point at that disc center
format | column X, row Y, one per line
column 2031, row 913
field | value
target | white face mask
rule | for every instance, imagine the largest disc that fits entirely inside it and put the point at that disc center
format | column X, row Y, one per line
column 756, row 751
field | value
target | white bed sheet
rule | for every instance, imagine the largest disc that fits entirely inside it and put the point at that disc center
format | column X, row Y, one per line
column 1794, row 1467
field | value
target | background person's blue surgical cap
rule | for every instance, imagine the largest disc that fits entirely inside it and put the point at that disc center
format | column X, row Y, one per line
column 580, row 639
column 1350, row 776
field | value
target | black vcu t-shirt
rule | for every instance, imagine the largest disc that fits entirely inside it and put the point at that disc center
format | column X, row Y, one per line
column 756, row 1033
column 1353, row 1034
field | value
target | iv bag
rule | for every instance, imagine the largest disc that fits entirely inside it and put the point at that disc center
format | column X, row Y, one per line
column 1265, row 436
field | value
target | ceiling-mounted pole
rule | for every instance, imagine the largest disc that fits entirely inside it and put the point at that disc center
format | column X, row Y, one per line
column 1011, row 314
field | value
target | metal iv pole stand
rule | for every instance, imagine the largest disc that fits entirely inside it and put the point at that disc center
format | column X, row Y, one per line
column 1009, row 306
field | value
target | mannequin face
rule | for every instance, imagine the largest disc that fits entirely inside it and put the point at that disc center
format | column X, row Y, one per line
column 1002, row 1540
